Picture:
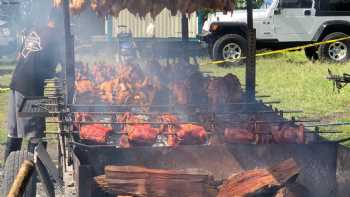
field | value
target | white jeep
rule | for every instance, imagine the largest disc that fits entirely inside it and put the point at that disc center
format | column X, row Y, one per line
column 281, row 24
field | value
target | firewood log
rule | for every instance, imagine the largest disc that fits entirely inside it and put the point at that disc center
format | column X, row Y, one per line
column 140, row 181
column 253, row 182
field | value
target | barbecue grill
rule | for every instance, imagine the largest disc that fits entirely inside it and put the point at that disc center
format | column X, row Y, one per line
column 319, row 160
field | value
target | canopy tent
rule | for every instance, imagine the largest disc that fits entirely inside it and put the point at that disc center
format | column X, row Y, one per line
column 142, row 7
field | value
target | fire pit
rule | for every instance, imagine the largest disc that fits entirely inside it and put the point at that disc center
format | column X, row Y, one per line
column 221, row 132
column 204, row 123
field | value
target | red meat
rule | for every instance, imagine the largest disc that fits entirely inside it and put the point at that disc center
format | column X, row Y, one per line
column 95, row 132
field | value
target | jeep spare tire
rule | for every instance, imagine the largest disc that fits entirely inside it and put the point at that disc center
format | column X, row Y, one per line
column 337, row 51
column 231, row 47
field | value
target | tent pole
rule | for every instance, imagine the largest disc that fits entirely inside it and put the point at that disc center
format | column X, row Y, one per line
column 251, row 50
column 185, row 35
column 184, row 27
column 69, row 69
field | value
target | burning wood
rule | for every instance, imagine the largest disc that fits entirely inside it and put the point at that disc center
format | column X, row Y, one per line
column 142, row 7
column 266, row 181
column 140, row 181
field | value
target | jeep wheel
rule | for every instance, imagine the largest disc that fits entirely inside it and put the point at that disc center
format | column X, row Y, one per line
column 336, row 51
column 230, row 47
column 311, row 53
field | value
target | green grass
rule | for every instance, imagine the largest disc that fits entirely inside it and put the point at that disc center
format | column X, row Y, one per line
column 290, row 78
column 4, row 81
column 299, row 84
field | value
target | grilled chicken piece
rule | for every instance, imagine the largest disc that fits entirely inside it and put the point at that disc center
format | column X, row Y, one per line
column 142, row 134
column 224, row 90
column 82, row 116
column 169, row 128
column 184, row 134
column 95, row 133
column 287, row 133
column 77, row 5
column 84, row 86
column 106, row 91
column 124, row 142
column 82, row 71
column 102, row 72
column 181, row 91
column 234, row 87
column 138, row 132
column 262, row 129
column 190, row 134
column 239, row 135
column 217, row 93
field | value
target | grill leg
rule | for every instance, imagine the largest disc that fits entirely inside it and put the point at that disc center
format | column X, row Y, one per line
column 12, row 144
column 33, row 143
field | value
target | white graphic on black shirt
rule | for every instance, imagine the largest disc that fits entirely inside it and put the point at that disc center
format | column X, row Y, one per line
column 32, row 43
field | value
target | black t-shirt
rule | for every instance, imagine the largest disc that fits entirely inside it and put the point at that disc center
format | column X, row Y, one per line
column 39, row 56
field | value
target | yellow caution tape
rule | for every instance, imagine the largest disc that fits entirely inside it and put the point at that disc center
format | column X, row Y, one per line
column 281, row 51
column 4, row 90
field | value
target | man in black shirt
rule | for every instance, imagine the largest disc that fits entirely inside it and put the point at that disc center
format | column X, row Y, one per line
column 37, row 61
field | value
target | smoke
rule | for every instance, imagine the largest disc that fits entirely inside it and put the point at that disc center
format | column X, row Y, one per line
column 17, row 16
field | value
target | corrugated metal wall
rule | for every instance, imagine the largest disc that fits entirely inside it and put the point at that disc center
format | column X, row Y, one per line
column 165, row 25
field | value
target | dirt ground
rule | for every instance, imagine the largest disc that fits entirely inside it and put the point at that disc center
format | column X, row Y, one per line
column 68, row 176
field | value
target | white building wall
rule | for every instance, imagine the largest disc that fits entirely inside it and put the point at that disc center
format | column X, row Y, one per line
column 165, row 25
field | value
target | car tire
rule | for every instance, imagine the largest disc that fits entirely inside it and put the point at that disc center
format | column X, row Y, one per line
column 337, row 52
column 311, row 53
column 11, row 168
column 230, row 47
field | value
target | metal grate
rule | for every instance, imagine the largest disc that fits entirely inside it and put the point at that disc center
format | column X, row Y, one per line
column 39, row 107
